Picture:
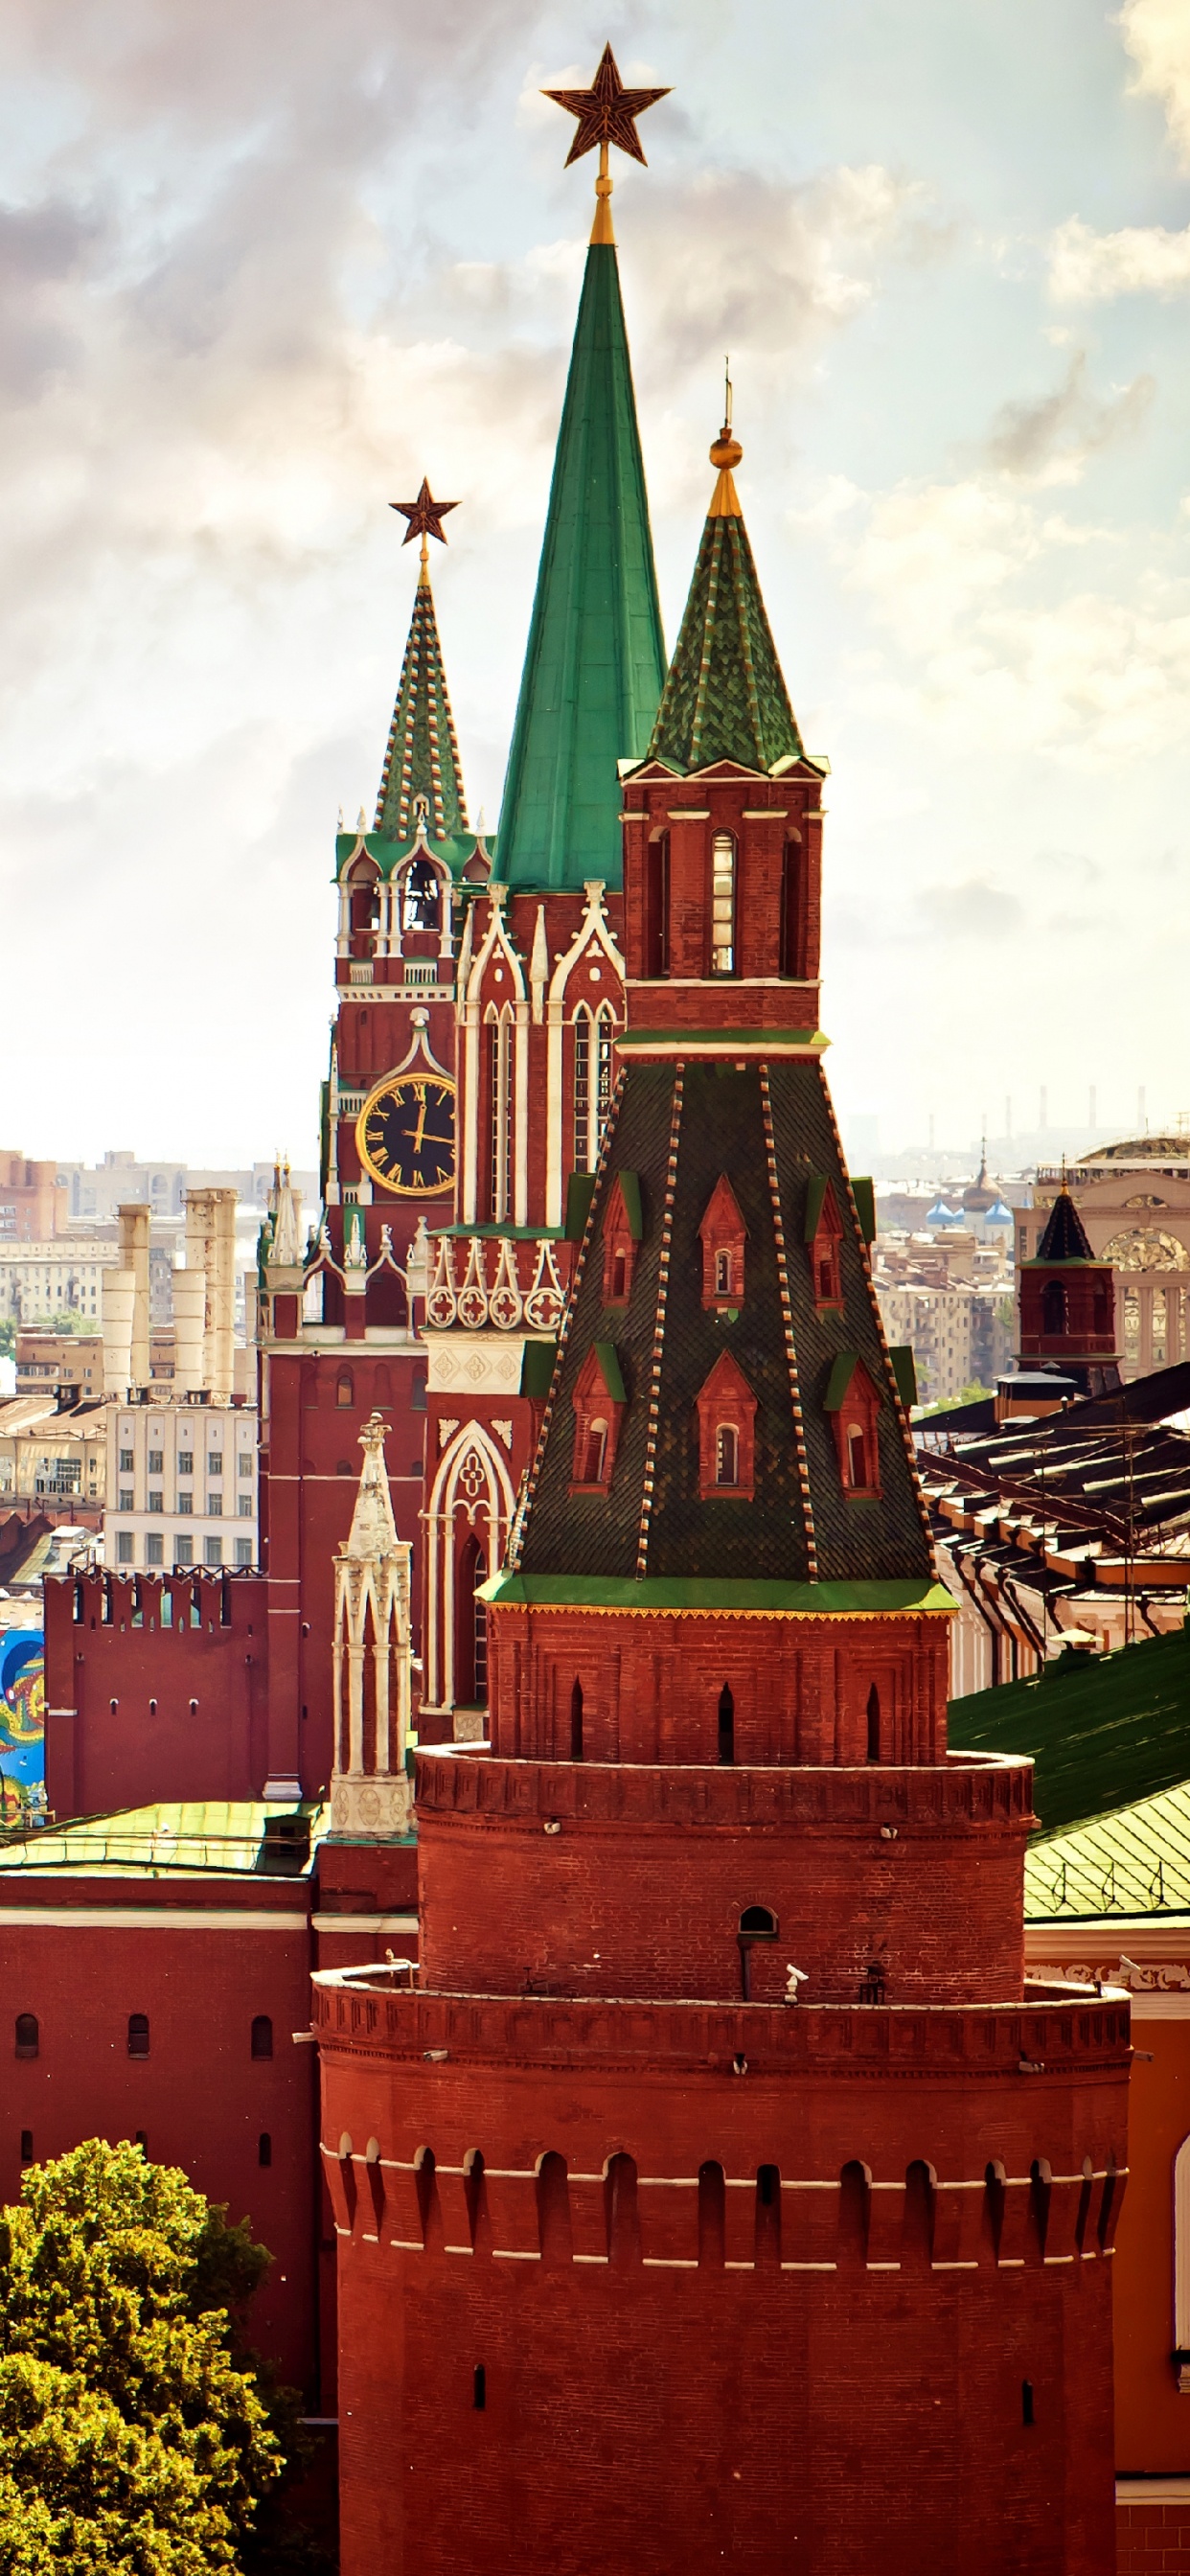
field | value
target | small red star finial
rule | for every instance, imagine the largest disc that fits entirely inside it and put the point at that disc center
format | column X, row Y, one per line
column 607, row 112
column 425, row 515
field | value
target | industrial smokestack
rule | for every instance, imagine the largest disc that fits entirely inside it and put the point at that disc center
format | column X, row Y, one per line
column 210, row 1247
column 119, row 1300
column 134, row 1258
column 190, row 1304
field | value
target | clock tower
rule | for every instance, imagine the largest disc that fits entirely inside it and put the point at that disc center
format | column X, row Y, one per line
column 339, row 1317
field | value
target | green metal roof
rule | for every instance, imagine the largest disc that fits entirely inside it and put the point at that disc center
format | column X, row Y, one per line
column 595, row 661
column 725, row 696
column 422, row 758
column 1133, row 1862
column 1103, row 1730
column 187, row 1838
column 702, row 1592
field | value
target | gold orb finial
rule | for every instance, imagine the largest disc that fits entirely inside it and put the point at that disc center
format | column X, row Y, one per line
column 726, row 452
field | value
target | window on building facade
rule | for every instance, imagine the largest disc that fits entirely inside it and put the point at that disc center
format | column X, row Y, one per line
column 156, row 1499
column 185, row 1462
column 262, row 2035
column 723, row 900
column 243, row 1551
column 582, row 1089
column 214, row 1506
column 156, row 1462
column 727, row 1455
column 183, row 1548
column 124, row 1547
column 244, row 1506
column 138, row 2034
column 127, row 1501
column 185, row 1501
column 28, row 2036
column 126, row 1462
column 214, row 1462
column 244, row 1463
column 155, row 1548
column 212, row 1551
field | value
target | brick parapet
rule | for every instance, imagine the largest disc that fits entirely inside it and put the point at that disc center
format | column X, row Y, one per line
column 645, row 1881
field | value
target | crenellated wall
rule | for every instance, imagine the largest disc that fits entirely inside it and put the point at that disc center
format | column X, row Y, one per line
column 851, row 2236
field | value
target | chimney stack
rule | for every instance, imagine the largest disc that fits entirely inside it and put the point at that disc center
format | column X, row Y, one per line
column 134, row 1259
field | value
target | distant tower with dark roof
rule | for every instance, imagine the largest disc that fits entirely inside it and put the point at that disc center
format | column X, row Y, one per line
column 719, row 2195
column 1067, row 1305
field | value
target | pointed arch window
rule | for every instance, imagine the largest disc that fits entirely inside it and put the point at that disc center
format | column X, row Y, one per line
column 723, row 904
column 594, row 1033
column 599, row 1402
column 622, row 1230
column 824, row 1240
column 726, row 1408
column 364, row 909
column 853, row 1408
column 471, row 1626
column 499, row 1104
column 723, row 1236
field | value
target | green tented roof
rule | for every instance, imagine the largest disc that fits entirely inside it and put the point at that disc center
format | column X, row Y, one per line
column 1135, row 1861
column 595, row 660
column 1103, row 1730
column 725, row 696
column 422, row 758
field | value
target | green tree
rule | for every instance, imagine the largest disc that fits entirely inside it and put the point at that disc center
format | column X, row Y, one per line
column 134, row 2434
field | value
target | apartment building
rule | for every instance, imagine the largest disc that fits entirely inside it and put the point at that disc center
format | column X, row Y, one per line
column 60, row 1276
column 961, row 1334
column 181, row 1483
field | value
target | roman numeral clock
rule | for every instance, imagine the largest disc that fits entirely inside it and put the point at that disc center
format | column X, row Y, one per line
column 405, row 1133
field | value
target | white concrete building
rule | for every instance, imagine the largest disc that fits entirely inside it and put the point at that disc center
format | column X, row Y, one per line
column 39, row 1281
column 181, row 1483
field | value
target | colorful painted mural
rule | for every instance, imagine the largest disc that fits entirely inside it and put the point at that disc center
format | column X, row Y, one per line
column 22, row 1727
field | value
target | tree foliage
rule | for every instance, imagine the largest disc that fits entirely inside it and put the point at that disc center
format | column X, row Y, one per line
column 132, row 2435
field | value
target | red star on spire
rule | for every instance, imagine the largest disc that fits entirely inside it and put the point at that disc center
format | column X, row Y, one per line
column 425, row 515
column 607, row 112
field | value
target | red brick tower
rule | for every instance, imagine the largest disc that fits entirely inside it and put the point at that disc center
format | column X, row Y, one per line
column 337, row 1324
column 718, row 2193
column 1068, row 1307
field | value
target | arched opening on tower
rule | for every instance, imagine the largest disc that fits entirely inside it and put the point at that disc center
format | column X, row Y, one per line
column 726, row 1725
column 1053, row 1308
column 873, row 1724
column 723, row 904
column 576, row 1723
column 421, row 897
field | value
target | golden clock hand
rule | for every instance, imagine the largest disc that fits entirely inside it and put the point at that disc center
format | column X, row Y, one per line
column 421, row 1128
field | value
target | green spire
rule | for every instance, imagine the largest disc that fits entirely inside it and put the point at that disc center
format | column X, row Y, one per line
column 725, row 696
column 596, row 658
column 422, row 758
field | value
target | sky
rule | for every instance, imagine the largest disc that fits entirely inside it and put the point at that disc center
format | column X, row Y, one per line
column 262, row 267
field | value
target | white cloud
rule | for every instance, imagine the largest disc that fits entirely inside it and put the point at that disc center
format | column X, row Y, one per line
column 992, row 644
column 1088, row 267
column 1157, row 35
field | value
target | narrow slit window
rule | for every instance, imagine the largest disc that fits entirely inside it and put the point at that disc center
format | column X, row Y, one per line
column 26, row 2146
column 138, row 2034
column 264, row 2148
column 596, row 1454
column 479, row 2388
column 873, row 1724
column 28, row 2035
column 857, row 1463
column 576, row 1723
column 723, row 899
column 582, row 1092
column 262, row 2035
column 726, row 1725
column 723, row 1278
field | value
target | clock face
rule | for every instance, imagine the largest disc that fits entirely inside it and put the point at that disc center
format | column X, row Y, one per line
column 406, row 1134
